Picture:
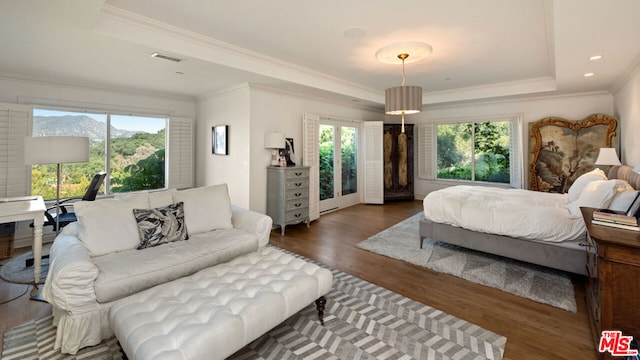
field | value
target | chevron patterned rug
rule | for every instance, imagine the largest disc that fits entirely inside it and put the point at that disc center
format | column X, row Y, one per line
column 362, row 321
column 530, row 281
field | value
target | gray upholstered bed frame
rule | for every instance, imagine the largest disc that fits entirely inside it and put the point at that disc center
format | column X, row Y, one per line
column 568, row 255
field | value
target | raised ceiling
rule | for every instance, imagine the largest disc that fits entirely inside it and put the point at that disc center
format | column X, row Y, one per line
column 481, row 49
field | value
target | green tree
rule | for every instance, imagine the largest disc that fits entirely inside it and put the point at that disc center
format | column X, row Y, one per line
column 146, row 174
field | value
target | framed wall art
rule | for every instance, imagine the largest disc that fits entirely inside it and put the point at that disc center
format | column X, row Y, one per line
column 561, row 150
column 220, row 139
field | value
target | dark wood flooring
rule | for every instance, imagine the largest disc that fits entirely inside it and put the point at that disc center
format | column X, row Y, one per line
column 533, row 330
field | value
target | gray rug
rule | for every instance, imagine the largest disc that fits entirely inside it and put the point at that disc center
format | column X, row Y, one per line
column 362, row 321
column 533, row 282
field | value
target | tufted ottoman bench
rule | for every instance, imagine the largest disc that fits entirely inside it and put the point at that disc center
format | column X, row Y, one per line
column 217, row 311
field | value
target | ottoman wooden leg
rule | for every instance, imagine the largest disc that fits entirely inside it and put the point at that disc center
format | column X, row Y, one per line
column 320, row 306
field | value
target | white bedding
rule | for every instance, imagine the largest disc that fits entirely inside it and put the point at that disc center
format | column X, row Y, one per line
column 512, row 212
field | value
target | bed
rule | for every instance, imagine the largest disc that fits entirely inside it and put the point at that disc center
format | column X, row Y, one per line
column 537, row 218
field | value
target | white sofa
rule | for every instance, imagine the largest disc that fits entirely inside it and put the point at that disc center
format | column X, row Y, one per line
column 95, row 263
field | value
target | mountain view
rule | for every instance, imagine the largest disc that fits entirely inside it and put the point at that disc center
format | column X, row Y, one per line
column 75, row 125
column 136, row 157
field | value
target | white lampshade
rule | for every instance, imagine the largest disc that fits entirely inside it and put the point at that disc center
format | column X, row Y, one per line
column 55, row 149
column 274, row 140
column 607, row 156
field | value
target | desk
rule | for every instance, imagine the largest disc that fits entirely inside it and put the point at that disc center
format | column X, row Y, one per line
column 24, row 209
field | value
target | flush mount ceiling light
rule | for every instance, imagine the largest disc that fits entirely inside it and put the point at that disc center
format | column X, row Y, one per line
column 404, row 99
column 165, row 57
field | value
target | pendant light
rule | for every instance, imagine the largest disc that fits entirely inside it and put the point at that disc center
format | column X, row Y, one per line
column 404, row 99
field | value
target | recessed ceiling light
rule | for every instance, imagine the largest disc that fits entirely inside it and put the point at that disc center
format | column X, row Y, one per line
column 165, row 57
column 590, row 74
column 355, row 33
column 595, row 57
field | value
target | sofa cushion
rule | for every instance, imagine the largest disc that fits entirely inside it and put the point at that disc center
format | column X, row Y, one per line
column 161, row 225
column 206, row 208
column 157, row 265
column 160, row 198
column 108, row 225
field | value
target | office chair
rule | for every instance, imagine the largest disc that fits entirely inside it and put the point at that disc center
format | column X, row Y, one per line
column 67, row 217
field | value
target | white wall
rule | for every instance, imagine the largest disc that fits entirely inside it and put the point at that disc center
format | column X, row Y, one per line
column 63, row 95
column 52, row 94
column 231, row 108
column 251, row 112
column 571, row 107
column 627, row 110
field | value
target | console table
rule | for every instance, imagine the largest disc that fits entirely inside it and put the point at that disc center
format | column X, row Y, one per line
column 25, row 209
column 613, row 267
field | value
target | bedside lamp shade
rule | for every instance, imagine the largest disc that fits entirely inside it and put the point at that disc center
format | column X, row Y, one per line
column 607, row 156
column 274, row 140
column 55, row 149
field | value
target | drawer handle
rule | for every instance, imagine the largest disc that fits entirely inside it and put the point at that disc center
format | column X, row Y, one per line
column 298, row 173
column 297, row 205
column 297, row 194
column 298, row 184
column 297, row 215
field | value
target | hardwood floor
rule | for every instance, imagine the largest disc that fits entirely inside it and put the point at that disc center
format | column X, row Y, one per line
column 533, row 330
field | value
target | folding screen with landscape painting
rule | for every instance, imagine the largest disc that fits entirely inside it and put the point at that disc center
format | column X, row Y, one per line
column 562, row 150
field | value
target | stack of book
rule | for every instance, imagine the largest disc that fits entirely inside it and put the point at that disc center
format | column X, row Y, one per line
column 613, row 219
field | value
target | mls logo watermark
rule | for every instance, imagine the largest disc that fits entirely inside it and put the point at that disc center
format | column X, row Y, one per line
column 617, row 344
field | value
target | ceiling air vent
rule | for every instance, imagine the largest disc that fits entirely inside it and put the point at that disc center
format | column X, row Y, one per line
column 165, row 57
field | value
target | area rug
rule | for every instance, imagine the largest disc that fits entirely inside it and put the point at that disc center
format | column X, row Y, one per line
column 530, row 281
column 362, row 321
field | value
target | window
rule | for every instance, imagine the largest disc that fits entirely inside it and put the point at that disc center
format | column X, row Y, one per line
column 484, row 150
column 131, row 149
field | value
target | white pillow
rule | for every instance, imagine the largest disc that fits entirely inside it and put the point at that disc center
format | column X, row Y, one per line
column 138, row 197
column 598, row 194
column 576, row 188
column 108, row 225
column 205, row 208
column 160, row 198
column 622, row 200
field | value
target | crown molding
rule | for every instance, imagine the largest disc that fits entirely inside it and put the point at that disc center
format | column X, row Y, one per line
column 633, row 70
column 116, row 22
column 90, row 86
column 528, row 86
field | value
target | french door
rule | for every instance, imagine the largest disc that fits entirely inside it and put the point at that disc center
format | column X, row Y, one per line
column 338, row 164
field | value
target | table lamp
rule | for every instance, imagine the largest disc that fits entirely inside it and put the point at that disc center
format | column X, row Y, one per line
column 274, row 141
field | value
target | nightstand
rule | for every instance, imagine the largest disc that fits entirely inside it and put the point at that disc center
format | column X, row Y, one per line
column 613, row 283
column 288, row 195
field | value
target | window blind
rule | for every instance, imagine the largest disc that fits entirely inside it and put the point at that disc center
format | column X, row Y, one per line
column 15, row 179
column 180, row 153
column 311, row 157
column 373, row 162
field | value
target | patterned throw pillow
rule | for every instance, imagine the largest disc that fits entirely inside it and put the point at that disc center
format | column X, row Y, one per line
column 161, row 225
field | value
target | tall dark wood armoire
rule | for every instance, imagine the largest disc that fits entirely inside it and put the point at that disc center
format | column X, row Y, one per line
column 398, row 162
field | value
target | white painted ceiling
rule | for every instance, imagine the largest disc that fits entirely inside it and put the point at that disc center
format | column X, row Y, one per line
column 481, row 49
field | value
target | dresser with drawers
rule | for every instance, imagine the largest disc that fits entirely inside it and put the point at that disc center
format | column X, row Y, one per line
column 288, row 195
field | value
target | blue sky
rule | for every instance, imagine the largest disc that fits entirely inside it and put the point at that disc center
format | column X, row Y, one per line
column 123, row 122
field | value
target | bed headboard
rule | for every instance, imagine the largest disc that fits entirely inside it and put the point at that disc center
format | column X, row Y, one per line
column 624, row 172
